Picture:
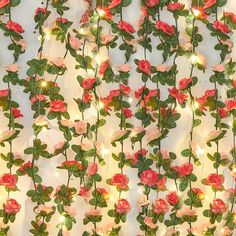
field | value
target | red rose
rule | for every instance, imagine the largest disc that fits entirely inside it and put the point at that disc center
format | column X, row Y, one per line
column 8, row 180
column 175, row 6
column 128, row 28
column 103, row 67
column 223, row 113
column 160, row 206
column 218, row 206
column 16, row 113
column 39, row 9
column 210, row 93
column 198, row 191
column 119, row 180
column 3, row 3
column 184, row 83
column 135, row 156
column 125, row 89
column 144, row 66
column 151, row 3
column 61, row 20
column 4, row 93
column 172, row 198
column 11, row 206
column 88, row 83
column 149, row 177
column 209, row 3
column 17, row 28
column 87, row 97
column 38, row 97
column 139, row 92
column 215, row 180
column 122, row 206
column 24, row 167
column 114, row 93
column 184, row 170
column 72, row 164
column 230, row 105
column 181, row 97
column 161, row 183
column 114, row 3
column 164, row 27
column 58, row 106
column 127, row 112
column 221, row 27
column 231, row 15
column 152, row 93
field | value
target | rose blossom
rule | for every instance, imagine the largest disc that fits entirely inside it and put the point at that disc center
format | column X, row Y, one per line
column 125, row 89
column 170, row 231
column 70, row 211
column 183, row 170
column 174, row 6
column 120, row 180
column 230, row 104
column 160, row 206
column 124, row 68
column 142, row 201
column 218, row 206
column 127, row 112
column 4, row 93
column 209, row 3
column 186, row 212
column 221, row 27
column 44, row 208
column 67, row 123
column 88, row 83
column 122, row 206
column 125, row 26
column 213, row 135
column 75, row 43
column 59, row 62
column 38, row 97
column 172, row 198
column 92, row 212
column 3, row 3
column 164, row 27
column 219, row 68
column 165, row 153
column 149, row 177
column 16, row 113
column 14, row 68
column 151, row 3
column 148, row 221
column 118, row 135
column 103, row 67
column 85, row 146
column 81, row 127
column 107, row 38
column 226, row 231
column 114, row 3
column 17, row 28
column 144, row 66
column 181, row 97
column 184, row 83
column 153, row 134
column 57, row 106
column 215, row 180
column 7, row 134
column 11, row 206
column 84, row 192
column 59, row 145
column 8, row 180
column 92, row 169
column 163, row 68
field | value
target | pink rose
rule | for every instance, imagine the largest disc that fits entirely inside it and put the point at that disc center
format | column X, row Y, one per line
column 81, row 127
column 44, row 208
column 209, row 3
column 184, row 170
column 151, row 3
column 165, row 154
column 84, row 192
column 118, row 135
column 160, row 206
column 163, row 68
column 175, row 6
column 13, row 26
column 67, row 123
column 125, row 89
column 186, row 212
column 226, row 231
column 22, row 43
column 230, row 105
column 11, row 206
column 114, row 3
column 219, row 68
column 59, row 62
column 92, row 169
column 122, row 206
column 14, row 68
column 124, row 68
column 149, row 177
column 148, row 221
column 215, row 180
column 221, row 27
column 127, row 112
column 92, row 212
column 57, row 106
column 103, row 67
column 107, row 38
column 213, row 135
column 175, row 93
column 119, row 180
column 153, row 134
column 8, row 180
column 75, row 43
column 59, row 145
column 70, row 211
column 218, row 206
column 85, row 146
column 142, row 201
column 7, row 134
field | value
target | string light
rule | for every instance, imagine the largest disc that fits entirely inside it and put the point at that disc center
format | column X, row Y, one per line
column 195, row 105
column 202, row 196
column 46, row 35
column 195, row 59
column 57, row 174
column 62, row 219
column 101, row 12
column 105, row 151
column 199, row 151
column 196, row 12
column 100, row 105
column 130, row 100
column 44, row 84
column 233, row 172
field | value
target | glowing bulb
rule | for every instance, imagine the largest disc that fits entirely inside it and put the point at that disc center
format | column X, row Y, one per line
column 233, row 172
column 206, row 198
column 105, row 151
column 199, row 151
column 100, row 105
column 196, row 12
column 1, row 198
column 82, row 31
column 202, row 196
column 194, row 59
column 195, row 105
column 234, row 217
column 47, row 33
column 43, row 84
column 101, row 12
column 62, row 219
column 130, row 100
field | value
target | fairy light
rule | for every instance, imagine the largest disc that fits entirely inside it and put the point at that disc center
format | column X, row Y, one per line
column 62, row 219
column 101, row 12
column 105, row 151
column 57, row 174
column 130, row 100
column 196, row 12
column 195, row 105
column 44, row 84
column 100, row 105
column 46, row 36
column 194, row 59
column 199, row 151
column 202, row 196
column 233, row 172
